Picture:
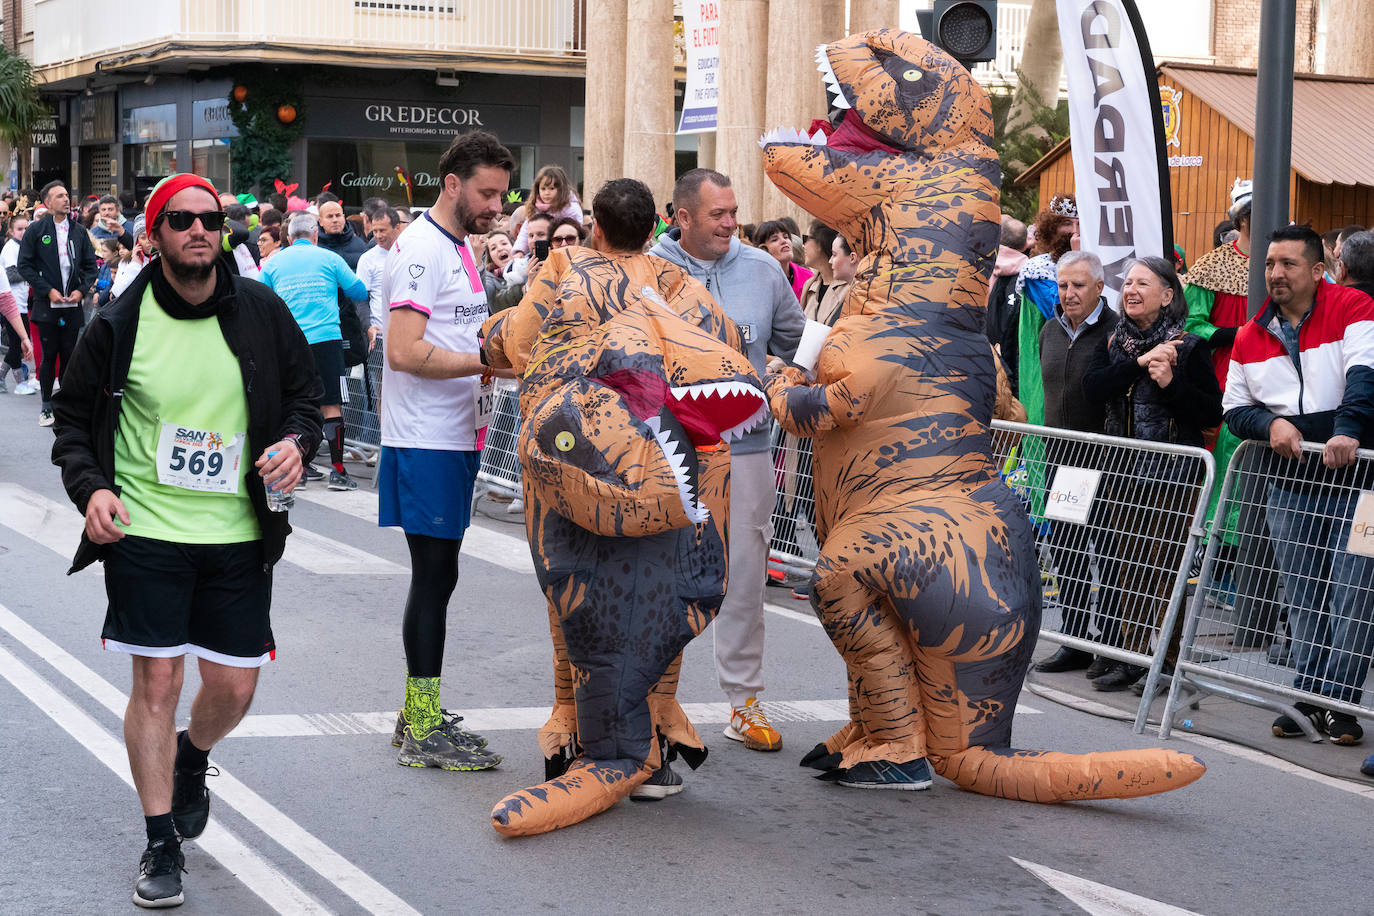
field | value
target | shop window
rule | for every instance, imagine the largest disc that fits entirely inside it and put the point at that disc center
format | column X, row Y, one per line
column 210, row 159
column 358, row 169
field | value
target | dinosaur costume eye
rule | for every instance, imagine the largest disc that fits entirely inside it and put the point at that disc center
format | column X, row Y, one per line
column 564, row 441
column 912, row 75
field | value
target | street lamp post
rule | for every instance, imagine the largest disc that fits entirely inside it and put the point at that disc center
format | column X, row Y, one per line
column 1273, row 136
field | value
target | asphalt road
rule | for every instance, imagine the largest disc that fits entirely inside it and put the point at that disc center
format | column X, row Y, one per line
column 314, row 815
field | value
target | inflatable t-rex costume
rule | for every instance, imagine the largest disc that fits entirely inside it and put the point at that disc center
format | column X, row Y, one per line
column 927, row 580
column 626, row 485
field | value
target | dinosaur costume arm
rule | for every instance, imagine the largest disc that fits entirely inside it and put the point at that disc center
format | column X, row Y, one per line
column 509, row 336
column 804, row 409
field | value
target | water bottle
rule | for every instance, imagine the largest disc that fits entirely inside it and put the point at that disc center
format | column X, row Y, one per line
column 278, row 501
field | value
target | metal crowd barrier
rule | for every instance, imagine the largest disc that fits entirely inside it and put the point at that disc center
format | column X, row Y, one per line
column 1237, row 644
column 499, row 471
column 1117, row 523
column 362, row 426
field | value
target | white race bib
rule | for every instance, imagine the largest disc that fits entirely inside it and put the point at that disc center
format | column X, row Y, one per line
column 198, row 459
column 483, row 403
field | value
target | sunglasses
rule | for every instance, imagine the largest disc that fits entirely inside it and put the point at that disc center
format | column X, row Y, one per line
column 181, row 220
column 564, row 240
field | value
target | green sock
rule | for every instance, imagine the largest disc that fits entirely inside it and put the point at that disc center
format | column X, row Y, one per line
column 422, row 705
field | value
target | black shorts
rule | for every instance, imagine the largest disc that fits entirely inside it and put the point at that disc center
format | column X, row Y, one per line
column 168, row 600
column 329, row 363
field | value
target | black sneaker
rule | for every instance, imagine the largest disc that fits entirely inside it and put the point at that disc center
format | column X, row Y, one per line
column 1285, row 727
column 1066, row 658
column 191, row 801
column 884, row 774
column 1341, row 728
column 439, row 750
column 659, row 786
column 159, row 875
column 449, row 725
column 312, row 473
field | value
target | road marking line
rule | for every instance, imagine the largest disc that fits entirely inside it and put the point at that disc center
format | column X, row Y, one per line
column 799, row 616
column 521, row 718
column 479, row 543
column 1277, row 763
column 56, row 526
column 334, row 868
column 1100, row 899
column 275, row 889
column 327, row 557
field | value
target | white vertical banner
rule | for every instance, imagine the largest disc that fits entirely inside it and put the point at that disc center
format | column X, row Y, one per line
column 1121, row 177
column 700, row 98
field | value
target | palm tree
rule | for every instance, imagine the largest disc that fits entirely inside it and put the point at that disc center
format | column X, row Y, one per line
column 20, row 106
column 1042, row 62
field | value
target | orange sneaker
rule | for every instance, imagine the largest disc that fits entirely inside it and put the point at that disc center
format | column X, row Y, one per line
column 750, row 725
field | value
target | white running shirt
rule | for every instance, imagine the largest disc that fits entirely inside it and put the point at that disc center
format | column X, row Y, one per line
column 430, row 271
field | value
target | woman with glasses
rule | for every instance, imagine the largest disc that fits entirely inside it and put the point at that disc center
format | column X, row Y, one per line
column 565, row 233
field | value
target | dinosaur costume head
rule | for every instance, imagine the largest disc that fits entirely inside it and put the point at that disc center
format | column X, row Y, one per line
column 897, row 101
column 612, row 446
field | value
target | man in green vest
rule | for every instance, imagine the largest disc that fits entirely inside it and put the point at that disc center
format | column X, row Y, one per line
column 188, row 397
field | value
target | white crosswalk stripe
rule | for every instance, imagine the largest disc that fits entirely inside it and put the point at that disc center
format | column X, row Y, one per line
column 521, row 718
column 58, row 526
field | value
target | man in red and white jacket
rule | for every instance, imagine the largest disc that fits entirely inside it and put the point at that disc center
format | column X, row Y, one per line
column 1303, row 370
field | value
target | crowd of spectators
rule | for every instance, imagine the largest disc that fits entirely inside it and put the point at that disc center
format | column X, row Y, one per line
column 1179, row 361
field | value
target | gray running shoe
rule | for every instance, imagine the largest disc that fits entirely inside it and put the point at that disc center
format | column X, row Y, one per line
column 659, row 786
column 339, row 481
column 159, row 875
column 45, row 418
column 449, row 725
column 437, row 749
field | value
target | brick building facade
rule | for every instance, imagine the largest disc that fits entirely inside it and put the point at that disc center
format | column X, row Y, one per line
column 1235, row 34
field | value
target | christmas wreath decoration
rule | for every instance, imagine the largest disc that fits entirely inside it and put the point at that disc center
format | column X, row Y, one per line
column 267, row 107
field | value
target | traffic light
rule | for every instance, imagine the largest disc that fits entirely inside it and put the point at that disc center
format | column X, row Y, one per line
column 965, row 29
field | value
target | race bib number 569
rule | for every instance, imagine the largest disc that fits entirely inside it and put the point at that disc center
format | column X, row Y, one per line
column 198, row 459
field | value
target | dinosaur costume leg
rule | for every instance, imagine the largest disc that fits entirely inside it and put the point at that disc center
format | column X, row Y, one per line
column 623, row 626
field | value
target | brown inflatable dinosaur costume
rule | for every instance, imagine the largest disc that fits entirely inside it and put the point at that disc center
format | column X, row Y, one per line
column 927, row 580
column 626, row 483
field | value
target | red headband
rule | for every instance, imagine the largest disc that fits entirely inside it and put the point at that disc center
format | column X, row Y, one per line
column 167, row 188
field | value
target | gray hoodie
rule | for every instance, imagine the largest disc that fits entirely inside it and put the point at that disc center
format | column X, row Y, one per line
column 750, row 287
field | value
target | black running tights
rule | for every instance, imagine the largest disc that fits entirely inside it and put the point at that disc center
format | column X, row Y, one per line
column 58, row 340
column 433, row 576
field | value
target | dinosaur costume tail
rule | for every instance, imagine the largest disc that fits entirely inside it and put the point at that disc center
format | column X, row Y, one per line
column 1047, row 777
column 585, row 790
column 1050, row 776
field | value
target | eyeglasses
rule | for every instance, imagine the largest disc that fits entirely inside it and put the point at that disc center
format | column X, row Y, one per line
column 560, row 241
column 181, row 220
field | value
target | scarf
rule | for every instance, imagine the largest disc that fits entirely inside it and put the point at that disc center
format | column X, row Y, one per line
column 1134, row 342
column 179, row 308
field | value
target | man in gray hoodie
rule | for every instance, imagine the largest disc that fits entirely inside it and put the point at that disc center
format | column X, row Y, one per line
column 750, row 286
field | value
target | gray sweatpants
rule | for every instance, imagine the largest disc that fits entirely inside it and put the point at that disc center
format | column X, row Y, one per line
column 739, row 625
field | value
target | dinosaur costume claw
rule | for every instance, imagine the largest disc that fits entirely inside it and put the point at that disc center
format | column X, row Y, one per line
column 927, row 581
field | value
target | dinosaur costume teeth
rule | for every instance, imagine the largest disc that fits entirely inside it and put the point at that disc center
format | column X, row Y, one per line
column 927, row 580
column 632, row 377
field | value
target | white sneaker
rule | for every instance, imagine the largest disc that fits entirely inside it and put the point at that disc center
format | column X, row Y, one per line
column 25, row 388
column 516, row 506
column 45, row 418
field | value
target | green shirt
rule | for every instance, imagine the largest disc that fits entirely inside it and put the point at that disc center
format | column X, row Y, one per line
column 184, row 387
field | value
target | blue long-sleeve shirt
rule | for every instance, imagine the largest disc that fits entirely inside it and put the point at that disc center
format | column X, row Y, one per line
column 309, row 278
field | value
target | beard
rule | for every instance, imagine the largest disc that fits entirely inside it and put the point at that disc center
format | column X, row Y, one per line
column 472, row 223
column 188, row 271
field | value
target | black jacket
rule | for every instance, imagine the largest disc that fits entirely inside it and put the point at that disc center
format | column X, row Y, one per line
column 39, row 264
column 1063, row 365
column 347, row 244
column 279, row 377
